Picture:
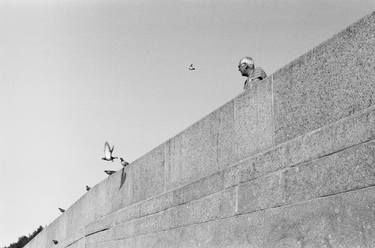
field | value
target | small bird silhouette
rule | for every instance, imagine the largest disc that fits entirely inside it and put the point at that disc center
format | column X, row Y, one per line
column 55, row 241
column 87, row 188
column 191, row 67
column 123, row 177
column 108, row 152
column 123, row 162
column 109, row 172
column 62, row 210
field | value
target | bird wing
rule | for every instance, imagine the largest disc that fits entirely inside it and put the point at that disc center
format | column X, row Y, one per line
column 123, row 177
column 107, row 150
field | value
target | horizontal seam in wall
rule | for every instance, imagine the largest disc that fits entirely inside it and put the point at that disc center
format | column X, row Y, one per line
column 86, row 235
column 331, row 153
column 187, row 225
column 330, row 124
column 369, row 109
column 279, row 205
column 75, row 241
column 247, row 213
column 242, row 182
column 177, row 205
column 319, row 198
column 101, row 230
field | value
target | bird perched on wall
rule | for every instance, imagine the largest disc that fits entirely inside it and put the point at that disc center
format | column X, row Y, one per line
column 109, row 172
column 123, row 162
column 62, row 210
column 191, row 67
column 87, row 188
column 108, row 152
column 55, row 241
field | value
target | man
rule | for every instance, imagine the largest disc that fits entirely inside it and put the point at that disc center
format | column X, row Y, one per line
column 253, row 74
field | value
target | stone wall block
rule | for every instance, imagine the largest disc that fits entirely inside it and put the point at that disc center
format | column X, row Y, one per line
column 147, row 175
column 253, row 120
column 349, row 169
column 57, row 229
column 105, row 222
column 202, row 187
column 78, row 244
column 111, row 244
column 344, row 220
column 100, row 237
column 240, row 231
column 77, row 237
column 332, row 81
column 123, row 230
column 156, row 204
column 255, row 166
column 226, row 134
column 39, row 241
column 125, row 214
column 192, row 154
column 261, row 193
column 202, row 149
column 218, row 205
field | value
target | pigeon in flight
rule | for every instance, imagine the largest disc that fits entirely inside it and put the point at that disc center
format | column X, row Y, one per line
column 123, row 176
column 123, row 162
column 55, row 241
column 108, row 152
column 191, row 67
column 62, row 210
column 109, row 172
column 87, row 188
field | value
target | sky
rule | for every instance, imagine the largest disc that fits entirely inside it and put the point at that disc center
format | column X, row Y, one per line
column 74, row 74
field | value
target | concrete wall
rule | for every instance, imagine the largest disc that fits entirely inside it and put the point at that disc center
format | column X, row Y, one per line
column 288, row 163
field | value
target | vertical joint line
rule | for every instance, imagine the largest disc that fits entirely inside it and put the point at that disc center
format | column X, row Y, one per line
column 273, row 112
column 236, row 201
column 166, row 146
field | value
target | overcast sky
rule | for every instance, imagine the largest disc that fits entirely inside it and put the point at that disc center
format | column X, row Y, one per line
column 74, row 74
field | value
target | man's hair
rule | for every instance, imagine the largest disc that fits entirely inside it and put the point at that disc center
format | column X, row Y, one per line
column 248, row 61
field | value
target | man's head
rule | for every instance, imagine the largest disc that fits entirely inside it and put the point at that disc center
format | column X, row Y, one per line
column 246, row 66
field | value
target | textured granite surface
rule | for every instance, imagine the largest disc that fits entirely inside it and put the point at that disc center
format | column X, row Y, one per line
column 349, row 169
column 253, row 120
column 147, row 175
column 239, row 231
column 345, row 220
column 193, row 153
column 202, row 149
column 218, row 205
column 334, row 80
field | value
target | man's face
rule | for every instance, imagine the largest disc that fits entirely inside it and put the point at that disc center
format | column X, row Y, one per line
column 242, row 67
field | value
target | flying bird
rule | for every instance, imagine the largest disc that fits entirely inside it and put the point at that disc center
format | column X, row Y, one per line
column 109, row 172
column 191, row 67
column 123, row 162
column 123, row 177
column 108, row 152
column 55, row 241
column 87, row 188
column 62, row 210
